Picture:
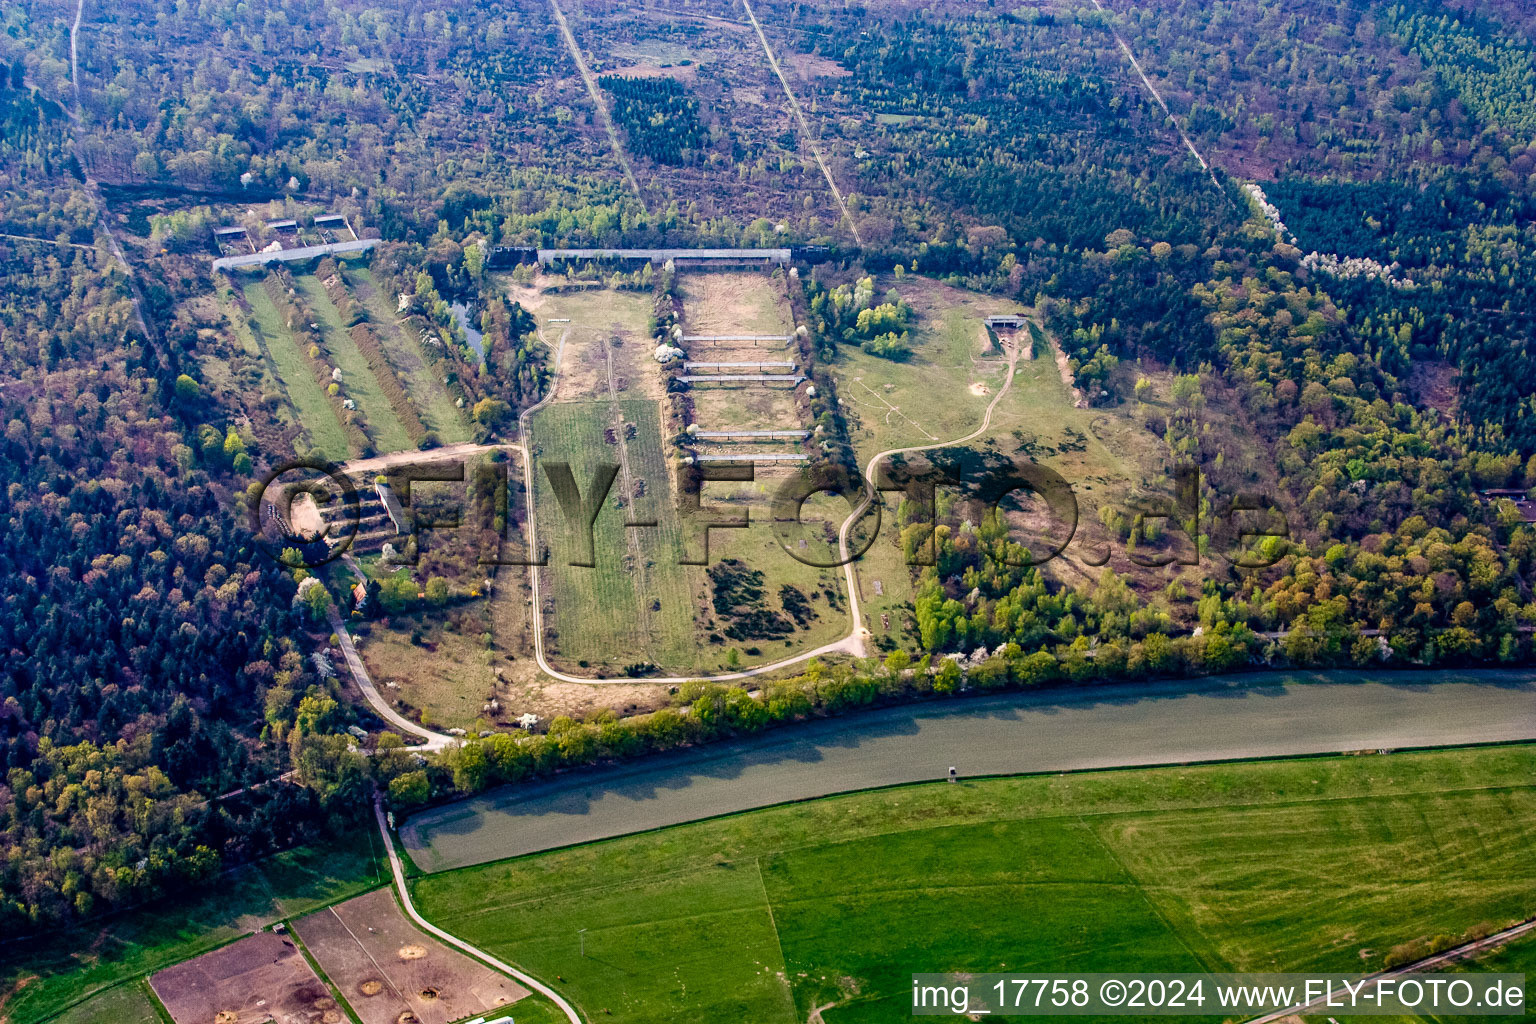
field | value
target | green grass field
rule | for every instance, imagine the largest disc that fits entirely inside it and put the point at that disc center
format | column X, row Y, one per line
column 316, row 415
column 637, row 604
column 65, row 970
column 384, row 427
column 1519, row 957
column 1319, row 864
column 423, row 383
column 128, row 1003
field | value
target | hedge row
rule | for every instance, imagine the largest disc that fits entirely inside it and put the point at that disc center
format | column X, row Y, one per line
column 367, row 343
column 710, row 711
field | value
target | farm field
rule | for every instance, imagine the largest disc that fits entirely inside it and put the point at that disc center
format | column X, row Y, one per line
column 260, row 979
column 423, row 383
column 72, row 966
column 638, row 603
column 1332, row 863
column 310, row 403
column 385, row 967
column 384, row 427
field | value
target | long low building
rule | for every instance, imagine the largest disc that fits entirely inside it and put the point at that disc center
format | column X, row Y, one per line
column 547, row 256
column 261, row 259
column 738, row 337
column 739, row 366
column 714, row 434
column 750, row 457
column 741, row 378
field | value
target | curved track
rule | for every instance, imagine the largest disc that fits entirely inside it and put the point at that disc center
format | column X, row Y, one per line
column 1127, row 725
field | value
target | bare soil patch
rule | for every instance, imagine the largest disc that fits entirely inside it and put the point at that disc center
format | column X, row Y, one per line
column 260, row 978
column 746, row 302
column 809, row 65
column 392, row 972
column 549, row 698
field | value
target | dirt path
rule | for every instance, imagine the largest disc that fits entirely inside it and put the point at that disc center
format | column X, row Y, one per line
column 403, row 891
column 430, row 740
column 597, row 99
column 805, row 127
column 815, row 1017
column 861, row 634
column 1136, row 64
column 446, row 453
column 1064, row 366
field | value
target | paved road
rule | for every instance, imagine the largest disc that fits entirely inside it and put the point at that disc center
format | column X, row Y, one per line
column 1265, row 715
column 430, row 741
column 404, row 892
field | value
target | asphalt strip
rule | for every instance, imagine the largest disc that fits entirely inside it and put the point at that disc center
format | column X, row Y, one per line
column 1231, row 718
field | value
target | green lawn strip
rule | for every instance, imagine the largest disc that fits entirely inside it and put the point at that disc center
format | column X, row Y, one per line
column 422, row 381
column 625, row 609
column 127, row 1003
column 1518, row 957
column 237, row 324
column 702, row 946
column 314, row 410
column 388, row 433
column 1166, row 869
column 66, row 968
column 1250, row 874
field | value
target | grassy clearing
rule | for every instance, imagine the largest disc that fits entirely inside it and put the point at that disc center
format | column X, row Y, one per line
column 1318, row 864
column 447, row 676
column 1519, row 957
column 314, row 409
column 758, row 547
column 62, row 970
column 929, row 397
column 423, row 383
column 386, row 430
column 1104, row 454
column 126, row 1004
column 637, row 604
